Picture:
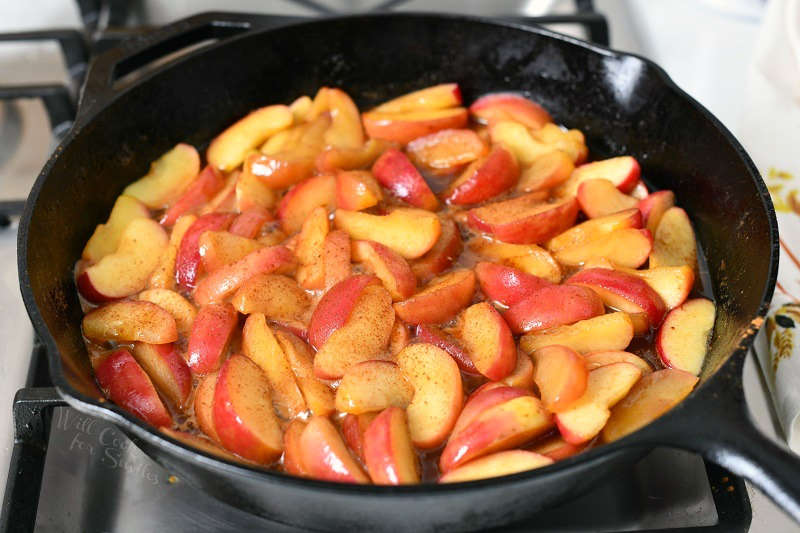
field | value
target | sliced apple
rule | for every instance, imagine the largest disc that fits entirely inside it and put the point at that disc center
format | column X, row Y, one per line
column 624, row 247
column 399, row 338
column 528, row 258
column 605, row 387
column 220, row 284
column 389, row 266
column 653, row 207
column 518, row 139
column 260, row 345
column 545, row 172
column 599, row 197
column 598, row 359
column 332, row 158
column 524, row 220
column 353, row 428
column 278, row 297
column 612, row 331
column 363, row 336
column 127, row 270
column 672, row 283
column 292, row 452
column 106, row 237
column 168, row 177
column 303, row 198
column 561, row 375
column 167, row 370
column 498, row 107
column 448, row 342
column 222, row 248
column 373, row 386
column 250, row 221
column 318, row 396
column 278, row 170
column 488, row 340
column 651, row 397
column 447, row 249
column 496, row 465
column 499, row 427
column 345, row 130
column 336, row 257
column 409, row 232
column 394, row 171
column 435, row 97
column 507, row 285
column 556, row 448
column 225, row 199
column 682, row 341
column 325, row 456
column 674, row 242
column 228, row 149
column 179, row 307
column 163, row 277
column 406, row 126
column 571, row 142
column 207, row 184
column 243, row 414
column 129, row 321
column 622, row 291
column 388, row 453
column 211, row 333
column 622, row 171
column 335, row 308
column 204, row 405
column 595, row 229
column 357, row 190
column 188, row 258
column 126, row 384
column 446, row 151
column 485, row 397
column 485, row 178
column 522, row 375
column 440, row 300
column 310, row 249
column 553, row 306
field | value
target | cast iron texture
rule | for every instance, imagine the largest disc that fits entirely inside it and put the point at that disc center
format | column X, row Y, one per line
column 624, row 105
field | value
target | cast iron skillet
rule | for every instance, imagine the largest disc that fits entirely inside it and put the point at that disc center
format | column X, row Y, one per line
column 624, row 105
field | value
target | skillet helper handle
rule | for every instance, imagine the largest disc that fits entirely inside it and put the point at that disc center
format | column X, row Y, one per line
column 137, row 52
column 32, row 410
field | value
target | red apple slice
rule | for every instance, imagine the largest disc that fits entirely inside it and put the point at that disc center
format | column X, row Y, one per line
column 310, row 249
column 389, row 266
column 674, row 242
column 509, row 106
column 447, row 249
column 545, row 172
column 524, row 220
column 252, row 193
column 446, row 151
column 622, row 291
column 335, row 307
column 292, row 452
column 528, row 258
column 187, row 261
column 249, row 222
column 394, row 171
column 553, row 306
column 483, row 398
column 406, row 126
column 124, row 382
column 485, row 178
column 207, row 184
column 357, row 190
column 409, row 232
column 624, row 247
column 507, row 285
column 435, row 97
column 167, row 370
column 606, row 386
column 597, row 359
column 438, row 394
column 388, row 452
column 599, row 198
column 373, row 386
column 522, row 375
column 243, row 414
column 488, row 341
column 332, row 158
column 336, row 258
column 672, row 283
column 129, row 321
column 622, row 171
column 204, row 405
column 449, row 343
column 222, row 248
column 303, row 198
column 353, row 428
column 211, row 333
column 440, row 300
column 612, row 331
column 106, row 237
column 260, row 345
column 682, row 341
column 517, row 138
column 653, row 207
column 228, row 149
column 561, row 376
column 556, row 448
column 278, row 297
column 168, row 177
column 126, row 271
column 651, row 397
column 325, row 456
column 279, row 169
column 496, row 465
column 179, row 307
column 595, row 229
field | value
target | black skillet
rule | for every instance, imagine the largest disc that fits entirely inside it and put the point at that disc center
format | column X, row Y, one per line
column 624, row 104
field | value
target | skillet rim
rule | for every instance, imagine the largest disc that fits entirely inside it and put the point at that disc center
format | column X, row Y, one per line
column 138, row 429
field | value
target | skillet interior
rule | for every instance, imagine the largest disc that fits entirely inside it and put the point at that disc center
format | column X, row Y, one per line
column 623, row 104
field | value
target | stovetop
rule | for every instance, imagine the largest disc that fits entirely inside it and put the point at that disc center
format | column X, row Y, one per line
column 95, row 479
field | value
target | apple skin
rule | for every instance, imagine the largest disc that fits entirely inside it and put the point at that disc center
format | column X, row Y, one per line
column 208, row 183
column 439, row 258
column 530, row 222
column 388, row 452
column 433, row 335
column 394, row 171
column 653, row 207
column 211, row 333
column 407, row 126
column 509, row 106
column 187, row 263
column 623, row 172
column 446, row 151
column 335, row 307
column 167, row 370
column 389, row 266
column 439, row 96
column 485, row 178
column 126, row 384
column 496, row 465
column 488, row 340
column 682, row 340
column 303, row 198
column 325, row 456
column 440, row 300
column 553, row 306
column 249, row 222
column 507, row 285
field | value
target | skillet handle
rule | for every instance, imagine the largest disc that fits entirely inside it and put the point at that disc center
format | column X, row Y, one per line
column 106, row 72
